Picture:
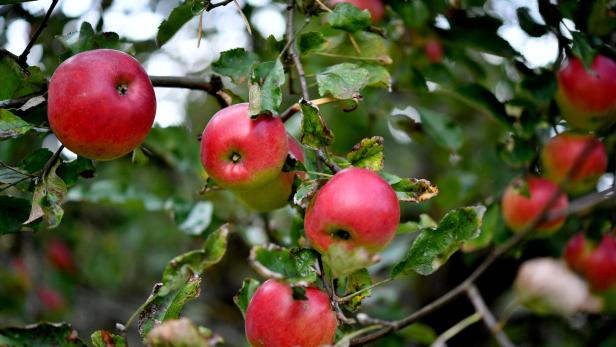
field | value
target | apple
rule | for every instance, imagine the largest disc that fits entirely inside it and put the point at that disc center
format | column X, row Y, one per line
column 563, row 152
column 375, row 7
column 577, row 251
column 600, row 269
column 50, row 299
column 60, row 256
column 101, row 104
column 434, row 51
column 274, row 194
column 356, row 208
column 241, row 153
column 274, row 318
column 587, row 99
column 520, row 206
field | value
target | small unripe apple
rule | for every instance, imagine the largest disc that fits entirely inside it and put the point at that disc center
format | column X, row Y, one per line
column 275, row 319
column 60, row 256
column 434, row 51
column 600, row 269
column 375, row 7
column 520, row 206
column 561, row 154
column 101, row 104
column 577, row 251
column 587, row 99
column 241, row 153
column 356, row 208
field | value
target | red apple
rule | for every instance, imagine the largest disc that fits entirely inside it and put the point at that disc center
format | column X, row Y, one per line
column 274, row 318
column 375, row 7
column 562, row 153
column 600, row 269
column 240, row 153
column 521, row 207
column 587, row 99
column 434, row 51
column 50, row 299
column 101, row 104
column 577, row 252
column 60, row 256
column 356, row 208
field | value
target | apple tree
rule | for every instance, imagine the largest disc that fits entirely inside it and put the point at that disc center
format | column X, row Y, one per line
column 386, row 173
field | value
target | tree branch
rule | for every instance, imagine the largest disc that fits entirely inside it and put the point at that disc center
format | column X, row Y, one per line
column 454, row 330
column 293, row 50
column 211, row 6
column 487, row 316
column 24, row 55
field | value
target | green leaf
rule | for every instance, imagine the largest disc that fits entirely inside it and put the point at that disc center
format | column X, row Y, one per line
column 36, row 160
column 310, row 41
column 176, row 20
column 16, row 82
column 242, row 298
column 181, row 281
column 517, row 152
column 12, row 175
column 491, row 225
column 343, row 81
column 416, row 14
column 478, row 96
column 264, row 92
column 378, row 76
column 295, row 265
column 433, row 247
column 411, row 189
column 192, row 218
column 306, row 190
column 441, row 129
column 479, row 33
column 425, row 222
column 47, row 200
column 582, row 49
column 178, row 333
column 368, row 153
column 420, row 333
column 349, row 18
column 355, row 282
column 103, row 338
column 315, row 133
column 13, row 212
column 41, row 335
column 12, row 126
column 342, row 262
column 235, row 63
column 71, row 171
column 528, row 24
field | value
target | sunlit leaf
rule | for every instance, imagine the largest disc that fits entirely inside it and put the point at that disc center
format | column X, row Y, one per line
column 315, row 133
column 368, row 154
column 11, row 125
column 411, row 189
column 343, row 81
column 265, row 94
column 349, row 18
column 235, row 63
column 242, row 298
column 295, row 265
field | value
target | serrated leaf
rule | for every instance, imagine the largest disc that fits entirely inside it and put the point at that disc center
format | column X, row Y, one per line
column 305, row 192
column 16, row 82
column 12, row 126
column 243, row 296
column 41, row 335
column 355, row 282
column 582, row 49
column 433, row 247
column 13, row 212
column 49, row 194
column 378, row 76
column 480, row 97
column 349, row 18
column 411, row 189
column 264, row 93
column 343, row 81
column 315, row 133
column 441, row 129
column 368, row 153
column 310, row 41
column 179, row 16
column 235, row 63
column 528, row 24
column 103, row 338
column 492, row 224
column 295, row 265
column 181, row 281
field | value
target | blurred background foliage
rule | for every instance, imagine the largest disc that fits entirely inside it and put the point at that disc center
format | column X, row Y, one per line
column 448, row 120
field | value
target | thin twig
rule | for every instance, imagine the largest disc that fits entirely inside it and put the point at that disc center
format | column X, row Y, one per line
column 352, row 295
column 293, row 109
column 293, row 50
column 24, row 55
column 487, row 316
column 212, row 87
column 327, row 161
column 4, row 165
column 455, row 329
column 211, row 6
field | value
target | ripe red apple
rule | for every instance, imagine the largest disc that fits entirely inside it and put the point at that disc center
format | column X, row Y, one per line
column 375, row 7
column 587, row 99
column 562, row 153
column 50, row 299
column 61, row 256
column 240, row 153
column 600, row 269
column 520, row 210
column 274, row 318
column 434, row 50
column 101, row 104
column 577, row 251
column 356, row 208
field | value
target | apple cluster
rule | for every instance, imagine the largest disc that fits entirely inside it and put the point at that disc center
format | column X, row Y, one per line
column 573, row 160
column 596, row 263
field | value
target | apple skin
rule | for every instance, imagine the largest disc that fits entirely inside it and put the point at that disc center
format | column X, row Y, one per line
column 560, row 154
column 258, row 146
column 274, row 194
column 519, row 210
column 588, row 100
column 577, row 251
column 60, row 256
column 434, row 51
column 50, row 299
column 375, row 7
column 88, row 113
column 356, row 208
column 600, row 269
column 275, row 319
